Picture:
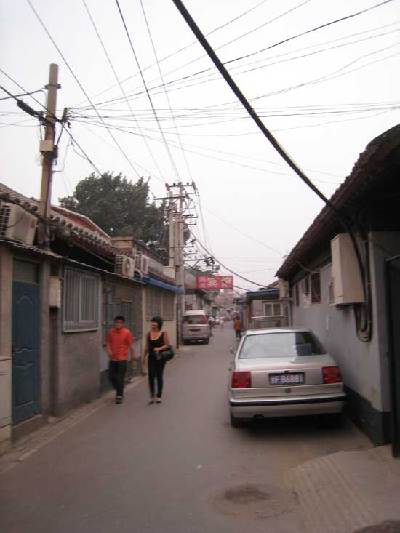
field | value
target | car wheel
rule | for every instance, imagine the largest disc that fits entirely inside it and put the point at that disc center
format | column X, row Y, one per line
column 207, row 341
column 237, row 422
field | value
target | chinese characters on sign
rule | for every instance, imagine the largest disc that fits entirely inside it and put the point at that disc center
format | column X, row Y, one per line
column 214, row 283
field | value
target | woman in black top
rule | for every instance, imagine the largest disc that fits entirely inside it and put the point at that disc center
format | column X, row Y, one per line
column 157, row 341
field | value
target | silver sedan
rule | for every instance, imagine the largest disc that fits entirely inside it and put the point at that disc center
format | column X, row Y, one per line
column 283, row 372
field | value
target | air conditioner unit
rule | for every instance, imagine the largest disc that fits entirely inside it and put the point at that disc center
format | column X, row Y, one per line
column 17, row 224
column 144, row 265
column 347, row 284
column 125, row 266
column 283, row 289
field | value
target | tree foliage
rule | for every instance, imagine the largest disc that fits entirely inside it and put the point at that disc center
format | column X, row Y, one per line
column 119, row 207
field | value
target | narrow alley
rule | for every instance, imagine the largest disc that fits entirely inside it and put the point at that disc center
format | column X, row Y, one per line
column 176, row 467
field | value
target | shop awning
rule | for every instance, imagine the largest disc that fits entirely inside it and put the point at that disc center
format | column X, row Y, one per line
column 149, row 280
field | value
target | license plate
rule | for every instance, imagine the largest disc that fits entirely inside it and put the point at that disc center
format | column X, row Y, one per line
column 291, row 378
column 194, row 329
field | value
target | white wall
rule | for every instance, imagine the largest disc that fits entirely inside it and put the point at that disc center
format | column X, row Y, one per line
column 364, row 364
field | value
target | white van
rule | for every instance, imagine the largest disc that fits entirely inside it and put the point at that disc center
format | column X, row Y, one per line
column 195, row 326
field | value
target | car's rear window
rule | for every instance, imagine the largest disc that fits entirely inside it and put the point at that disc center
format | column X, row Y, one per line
column 285, row 344
column 196, row 319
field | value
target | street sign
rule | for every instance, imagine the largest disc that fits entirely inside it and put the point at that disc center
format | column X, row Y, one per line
column 214, row 283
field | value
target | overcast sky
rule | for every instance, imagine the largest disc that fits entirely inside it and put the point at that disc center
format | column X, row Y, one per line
column 325, row 95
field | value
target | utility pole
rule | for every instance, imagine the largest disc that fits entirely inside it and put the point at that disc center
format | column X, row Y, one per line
column 180, row 266
column 178, row 198
column 48, row 150
column 172, row 233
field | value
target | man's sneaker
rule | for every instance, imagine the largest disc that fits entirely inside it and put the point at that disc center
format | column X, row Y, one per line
column 119, row 399
column 152, row 400
column 158, row 400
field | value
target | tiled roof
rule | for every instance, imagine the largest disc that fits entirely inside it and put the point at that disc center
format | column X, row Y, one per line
column 78, row 228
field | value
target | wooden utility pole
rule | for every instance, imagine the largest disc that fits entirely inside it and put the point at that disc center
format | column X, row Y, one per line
column 180, row 265
column 48, row 148
column 176, row 197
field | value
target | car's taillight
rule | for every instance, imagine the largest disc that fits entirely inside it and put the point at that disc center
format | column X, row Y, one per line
column 331, row 374
column 241, row 380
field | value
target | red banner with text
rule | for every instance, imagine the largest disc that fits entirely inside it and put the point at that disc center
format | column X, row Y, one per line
column 214, row 283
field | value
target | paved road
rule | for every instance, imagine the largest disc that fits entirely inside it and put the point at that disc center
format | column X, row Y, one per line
column 172, row 468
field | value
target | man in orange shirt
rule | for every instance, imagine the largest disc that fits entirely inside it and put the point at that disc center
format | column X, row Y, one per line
column 237, row 326
column 119, row 342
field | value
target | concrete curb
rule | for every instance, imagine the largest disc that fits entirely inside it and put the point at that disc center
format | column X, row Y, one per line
column 347, row 491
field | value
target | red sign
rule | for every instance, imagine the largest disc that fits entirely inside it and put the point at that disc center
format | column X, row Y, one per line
column 214, row 283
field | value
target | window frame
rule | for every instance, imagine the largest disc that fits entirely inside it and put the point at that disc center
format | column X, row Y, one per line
column 74, row 287
column 272, row 313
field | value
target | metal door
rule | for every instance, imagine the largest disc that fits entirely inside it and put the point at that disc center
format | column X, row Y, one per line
column 393, row 299
column 25, row 350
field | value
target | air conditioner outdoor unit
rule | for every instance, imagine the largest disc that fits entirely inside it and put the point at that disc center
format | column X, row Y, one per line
column 125, row 266
column 17, row 224
column 283, row 289
column 347, row 284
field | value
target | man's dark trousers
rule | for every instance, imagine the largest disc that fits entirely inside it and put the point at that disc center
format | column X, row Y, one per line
column 116, row 373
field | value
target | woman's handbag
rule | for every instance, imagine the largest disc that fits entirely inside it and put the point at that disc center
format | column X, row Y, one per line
column 166, row 355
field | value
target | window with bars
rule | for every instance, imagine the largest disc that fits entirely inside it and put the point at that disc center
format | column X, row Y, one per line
column 131, row 309
column 272, row 309
column 81, row 301
column 154, row 303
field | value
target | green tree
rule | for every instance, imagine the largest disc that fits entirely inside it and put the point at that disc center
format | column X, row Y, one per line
column 119, row 207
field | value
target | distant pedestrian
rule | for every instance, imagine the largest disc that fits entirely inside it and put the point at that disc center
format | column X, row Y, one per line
column 237, row 326
column 221, row 322
column 119, row 342
column 157, row 341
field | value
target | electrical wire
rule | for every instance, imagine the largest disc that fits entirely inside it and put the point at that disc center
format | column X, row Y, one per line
column 222, row 264
column 288, row 39
column 177, row 84
column 246, row 104
column 22, row 94
column 83, row 153
column 246, row 235
column 183, row 48
column 165, row 89
column 120, row 84
column 236, row 39
column 173, row 164
column 41, row 22
column 311, row 30
column 206, row 155
column 22, row 88
column 364, row 330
